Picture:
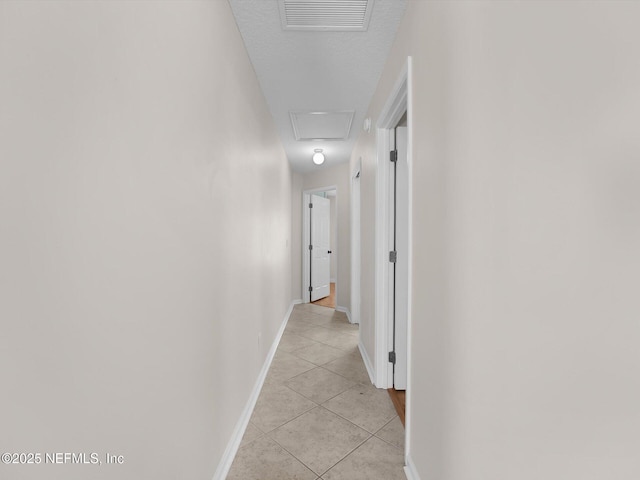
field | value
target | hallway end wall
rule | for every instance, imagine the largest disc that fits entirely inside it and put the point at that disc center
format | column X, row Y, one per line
column 339, row 176
column 145, row 221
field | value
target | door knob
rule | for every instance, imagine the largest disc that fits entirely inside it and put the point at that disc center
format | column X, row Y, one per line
column 329, row 251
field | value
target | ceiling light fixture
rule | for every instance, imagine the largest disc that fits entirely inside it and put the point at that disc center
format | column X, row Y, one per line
column 318, row 157
column 367, row 124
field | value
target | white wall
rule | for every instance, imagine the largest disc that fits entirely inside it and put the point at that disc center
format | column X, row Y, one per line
column 526, row 231
column 145, row 219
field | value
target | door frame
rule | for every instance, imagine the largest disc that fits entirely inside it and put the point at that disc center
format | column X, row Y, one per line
column 398, row 102
column 306, row 197
column 355, row 242
column 398, row 237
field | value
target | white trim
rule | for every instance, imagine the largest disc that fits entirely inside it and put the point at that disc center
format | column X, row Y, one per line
column 332, row 280
column 306, row 198
column 355, row 241
column 381, row 264
column 243, row 421
column 410, row 160
column 399, row 101
column 293, row 116
column 346, row 311
column 397, row 104
column 305, row 247
column 410, row 470
column 367, row 361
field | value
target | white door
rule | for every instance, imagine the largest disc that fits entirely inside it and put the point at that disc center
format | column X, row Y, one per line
column 320, row 247
column 400, row 270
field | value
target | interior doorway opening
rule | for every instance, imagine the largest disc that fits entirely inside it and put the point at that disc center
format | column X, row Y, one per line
column 399, row 265
column 320, row 243
column 394, row 247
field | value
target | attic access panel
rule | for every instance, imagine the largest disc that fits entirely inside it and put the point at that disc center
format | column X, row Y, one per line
column 325, row 15
column 321, row 125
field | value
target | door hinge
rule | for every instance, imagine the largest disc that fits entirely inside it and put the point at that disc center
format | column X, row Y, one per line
column 394, row 156
column 310, row 288
column 311, row 205
column 310, row 247
column 392, row 357
column 393, row 256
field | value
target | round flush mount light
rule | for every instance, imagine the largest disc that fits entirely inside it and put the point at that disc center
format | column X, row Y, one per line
column 318, row 156
column 367, row 124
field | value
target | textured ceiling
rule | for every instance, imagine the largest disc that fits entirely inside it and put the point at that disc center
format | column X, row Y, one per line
column 316, row 71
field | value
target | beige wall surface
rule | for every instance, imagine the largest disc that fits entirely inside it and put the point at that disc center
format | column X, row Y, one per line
column 296, row 236
column 526, row 226
column 145, row 222
column 337, row 176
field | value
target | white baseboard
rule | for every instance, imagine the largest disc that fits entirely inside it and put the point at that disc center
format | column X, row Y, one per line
column 243, row 421
column 367, row 362
column 410, row 470
column 295, row 302
column 346, row 311
column 332, row 280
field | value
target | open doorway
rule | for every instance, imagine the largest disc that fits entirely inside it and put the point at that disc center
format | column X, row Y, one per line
column 399, row 264
column 393, row 247
column 320, row 241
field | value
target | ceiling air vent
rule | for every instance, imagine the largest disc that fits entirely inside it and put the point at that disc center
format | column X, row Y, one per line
column 325, row 15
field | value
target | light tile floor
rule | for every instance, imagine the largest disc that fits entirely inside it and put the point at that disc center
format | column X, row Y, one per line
column 318, row 417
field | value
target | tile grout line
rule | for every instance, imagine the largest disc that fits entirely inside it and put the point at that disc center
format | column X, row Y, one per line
column 337, row 334
column 350, row 452
column 319, row 343
column 320, row 404
column 355, row 381
column 350, row 421
column 389, row 443
column 293, row 418
column 285, row 449
column 341, row 459
column 291, row 453
column 327, row 344
column 385, row 441
column 370, row 435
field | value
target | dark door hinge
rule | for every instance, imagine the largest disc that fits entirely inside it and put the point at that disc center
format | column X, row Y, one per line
column 310, row 288
column 311, row 205
column 393, row 256
column 394, row 156
column 310, row 247
column 392, row 357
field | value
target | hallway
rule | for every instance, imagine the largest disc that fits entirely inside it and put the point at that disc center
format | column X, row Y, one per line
column 155, row 162
column 318, row 416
